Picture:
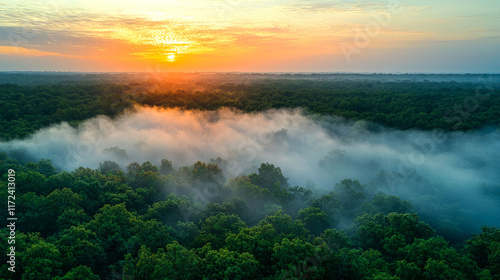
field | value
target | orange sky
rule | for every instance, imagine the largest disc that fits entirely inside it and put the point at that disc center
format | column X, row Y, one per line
column 236, row 35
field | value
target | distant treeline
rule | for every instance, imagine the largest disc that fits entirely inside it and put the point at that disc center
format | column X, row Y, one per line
column 401, row 105
column 161, row 222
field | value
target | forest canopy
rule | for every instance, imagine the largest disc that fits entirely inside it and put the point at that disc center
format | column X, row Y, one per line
column 160, row 222
column 397, row 103
column 170, row 220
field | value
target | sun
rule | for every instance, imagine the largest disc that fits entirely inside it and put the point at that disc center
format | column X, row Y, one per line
column 171, row 57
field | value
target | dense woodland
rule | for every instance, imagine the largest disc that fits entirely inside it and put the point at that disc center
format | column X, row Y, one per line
column 402, row 105
column 159, row 222
column 163, row 221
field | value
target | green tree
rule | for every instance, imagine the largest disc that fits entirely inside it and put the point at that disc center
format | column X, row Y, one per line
column 185, row 232
column 388, row 233
column 61, row 200
column 46, row 168
column 384, row 203
column 347, row 264
column 42, row 262
column 32, row 181
column 285, row 226
column 259, row 240
column 331, row 205
column 436, row 260
column 335, row 239
column 351, row 194
column 173, row 262
column 297, row 259
column 72, row 217
column 114, row 226
column 215, row 229
column 166, row 167
column 234, row 205
column 485, row 247
column 79, row 246
column 90, row 191
column 228, row 265
column 60, row 181
column 133, row 169
column 33, row 214
column 80, row 273
column 242, row 186
column 88, row 175
column 107, row 166
column 151, row 233
column 207, row 172
column 168, row 211
column 269, row 177
column 314, row 219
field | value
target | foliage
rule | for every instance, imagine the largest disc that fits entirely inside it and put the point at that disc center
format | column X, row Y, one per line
column 102, row 224
column 399, row 104
column 485, row 248
column 146, row 221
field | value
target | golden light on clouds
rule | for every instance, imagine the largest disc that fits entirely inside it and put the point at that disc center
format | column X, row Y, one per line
column 13, row 50
column 164, row 39
column 237, row 35
column 169, row 44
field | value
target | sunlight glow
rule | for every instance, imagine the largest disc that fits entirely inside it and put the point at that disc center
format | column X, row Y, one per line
column 171, row 57
column 253, row 35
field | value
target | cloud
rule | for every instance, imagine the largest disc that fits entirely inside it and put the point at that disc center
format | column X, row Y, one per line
column 316, row 6
column 122, row 35
column 20, row 51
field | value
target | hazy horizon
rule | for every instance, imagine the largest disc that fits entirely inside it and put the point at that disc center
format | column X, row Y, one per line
column 251, row 72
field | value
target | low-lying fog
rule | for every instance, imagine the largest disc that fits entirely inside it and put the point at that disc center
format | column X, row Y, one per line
column 438, row 172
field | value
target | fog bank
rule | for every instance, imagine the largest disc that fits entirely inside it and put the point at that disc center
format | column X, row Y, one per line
column 314, row 151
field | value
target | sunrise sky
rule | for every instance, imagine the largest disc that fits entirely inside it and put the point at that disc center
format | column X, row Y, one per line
column 253, row 35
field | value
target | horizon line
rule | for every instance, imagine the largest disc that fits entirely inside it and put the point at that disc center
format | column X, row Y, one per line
column 249, row 72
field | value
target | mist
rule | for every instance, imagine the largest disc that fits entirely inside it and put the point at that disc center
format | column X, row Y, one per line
column 441, row 173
